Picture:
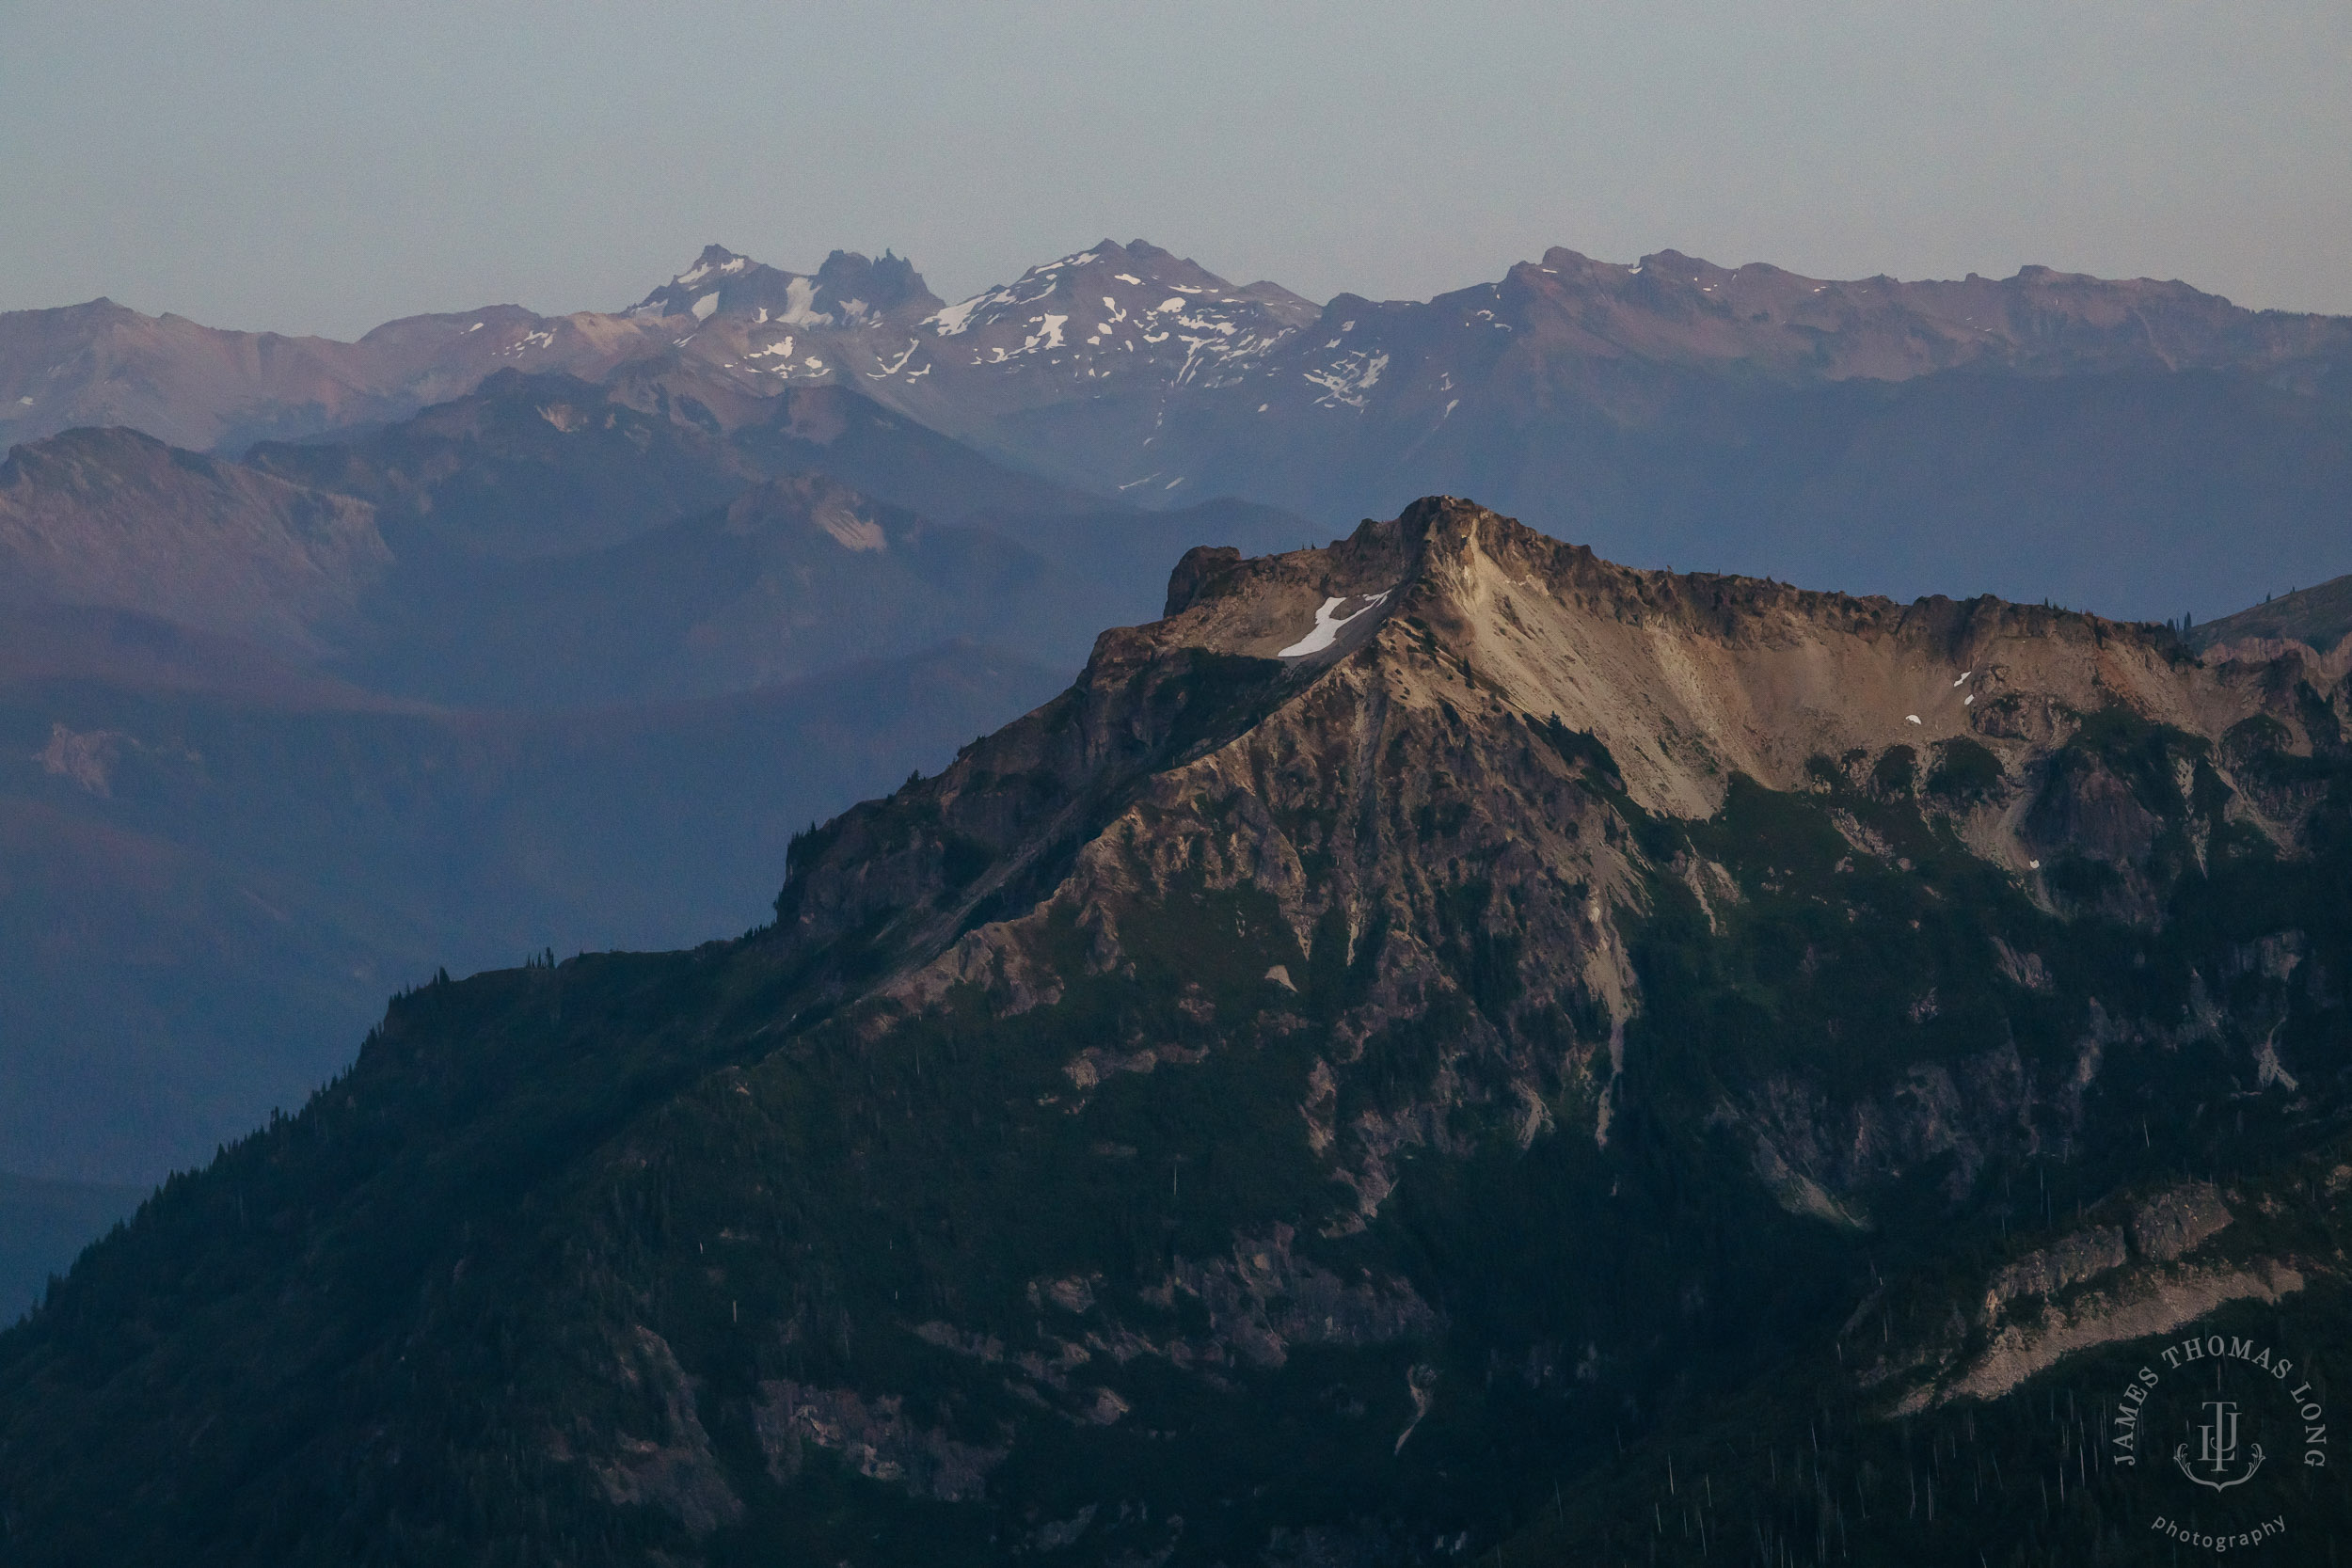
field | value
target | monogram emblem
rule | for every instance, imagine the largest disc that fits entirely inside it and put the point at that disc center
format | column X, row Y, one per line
column 2217, row 1462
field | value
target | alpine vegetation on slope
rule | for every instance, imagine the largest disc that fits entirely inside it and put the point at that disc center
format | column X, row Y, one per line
column 1429, row 1030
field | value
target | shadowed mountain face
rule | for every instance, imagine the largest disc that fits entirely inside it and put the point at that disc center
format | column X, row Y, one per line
column 790, row 578
column 1425, row 1041
column 545, row 542
column 44, row 1224
column 528, row 467
column 115, row 517
column 523, row 467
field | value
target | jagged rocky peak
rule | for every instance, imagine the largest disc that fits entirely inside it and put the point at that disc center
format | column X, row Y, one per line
column 1687, row 679
column 1405, row 667
column 883, row 286
column 1468, row 767
column 848, row 290
column 1465, row 774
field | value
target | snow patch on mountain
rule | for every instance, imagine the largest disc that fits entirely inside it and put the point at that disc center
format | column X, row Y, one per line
column 799, row 305
column 1347, row 379
column 1329, row 622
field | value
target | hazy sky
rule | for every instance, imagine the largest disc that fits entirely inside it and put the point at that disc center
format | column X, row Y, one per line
column 324, row 166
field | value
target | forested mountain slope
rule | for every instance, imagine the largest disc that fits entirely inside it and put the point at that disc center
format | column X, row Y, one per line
column 1439, row 1044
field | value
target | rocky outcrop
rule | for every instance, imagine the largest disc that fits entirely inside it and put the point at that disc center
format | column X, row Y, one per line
column 2177, row 1220
column 2136, row 1306
column 1265, row 1300
column 678, row 1471
column 2047, row 1271
column 874, row 1438
column 2082, row 1290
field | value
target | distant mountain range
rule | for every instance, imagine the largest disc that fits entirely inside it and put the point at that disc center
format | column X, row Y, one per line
column 2046, row 435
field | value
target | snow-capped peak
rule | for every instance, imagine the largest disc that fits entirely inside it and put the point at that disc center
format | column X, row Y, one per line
column 1119, row 311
